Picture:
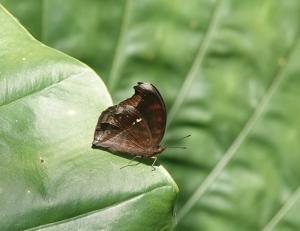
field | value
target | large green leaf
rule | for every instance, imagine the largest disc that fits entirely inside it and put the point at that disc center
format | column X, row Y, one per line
column 229, row 72
column 50, row 178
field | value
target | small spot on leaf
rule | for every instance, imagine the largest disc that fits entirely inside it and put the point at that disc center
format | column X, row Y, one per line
column 42, row 160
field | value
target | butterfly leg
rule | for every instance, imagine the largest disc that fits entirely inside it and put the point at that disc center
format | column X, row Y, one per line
column 129, row 163
column 155, row 158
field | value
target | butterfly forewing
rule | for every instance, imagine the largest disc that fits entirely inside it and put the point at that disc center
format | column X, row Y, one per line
column 148, row 101
column 135, row 126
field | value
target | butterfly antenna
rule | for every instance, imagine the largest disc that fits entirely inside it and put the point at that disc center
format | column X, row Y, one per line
column 183, row 137
column 180, row 147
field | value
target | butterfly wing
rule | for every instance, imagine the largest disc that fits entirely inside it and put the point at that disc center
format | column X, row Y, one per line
column 148, row 101
column 122, row 129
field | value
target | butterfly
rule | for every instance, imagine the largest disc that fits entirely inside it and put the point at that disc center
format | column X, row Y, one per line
column 135, row 126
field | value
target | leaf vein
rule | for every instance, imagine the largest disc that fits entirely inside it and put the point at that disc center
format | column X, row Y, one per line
column 28, row 94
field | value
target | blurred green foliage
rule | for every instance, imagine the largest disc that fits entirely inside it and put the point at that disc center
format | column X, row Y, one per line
column 229, row 73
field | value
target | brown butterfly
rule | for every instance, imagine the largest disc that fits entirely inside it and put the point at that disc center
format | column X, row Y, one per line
column 135, row 126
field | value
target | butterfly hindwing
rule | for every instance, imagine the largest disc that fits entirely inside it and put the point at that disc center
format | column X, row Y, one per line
column 122, row 129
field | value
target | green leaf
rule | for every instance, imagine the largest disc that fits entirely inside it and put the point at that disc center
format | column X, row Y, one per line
column 229, row 72
column 50, row 178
